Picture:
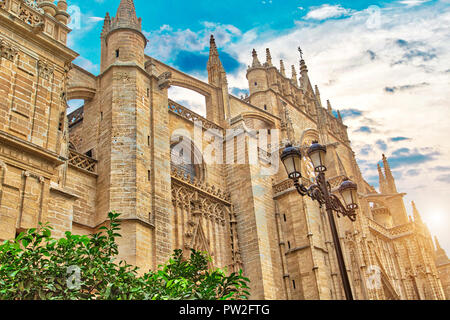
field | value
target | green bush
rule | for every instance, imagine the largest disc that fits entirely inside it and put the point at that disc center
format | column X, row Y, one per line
column 36, row 266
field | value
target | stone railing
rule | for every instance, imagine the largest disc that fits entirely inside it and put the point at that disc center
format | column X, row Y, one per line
column 42, row 16
column 191, row 116
column 288, row 184
column 402, row 230
column 200, row 186
column 379, row 228
column 27, row 11
column 396, row 232
column 82, row 161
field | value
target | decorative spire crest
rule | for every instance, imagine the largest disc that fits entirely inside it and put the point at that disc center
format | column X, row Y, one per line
column 213, row 47
column 126, row 17
column 216, row 72
column 256, row 62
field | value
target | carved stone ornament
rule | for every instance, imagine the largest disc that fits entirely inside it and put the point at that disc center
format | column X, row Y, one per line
column 45, row 69
column 164, row 80
column 31, row 17
column 7, row 51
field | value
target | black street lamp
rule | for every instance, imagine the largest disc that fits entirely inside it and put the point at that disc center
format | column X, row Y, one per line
column 321, row 192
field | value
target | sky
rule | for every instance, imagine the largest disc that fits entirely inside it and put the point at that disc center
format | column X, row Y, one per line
column 384, row 64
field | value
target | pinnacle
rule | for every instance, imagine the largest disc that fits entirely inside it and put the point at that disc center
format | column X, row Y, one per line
column 256, row 62
column 282, row 70
column 268, row 57
column 212, row 46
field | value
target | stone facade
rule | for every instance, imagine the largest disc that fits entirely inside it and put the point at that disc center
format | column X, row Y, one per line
column 125, row 150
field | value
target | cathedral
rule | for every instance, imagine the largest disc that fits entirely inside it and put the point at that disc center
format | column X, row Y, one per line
column 132, row 149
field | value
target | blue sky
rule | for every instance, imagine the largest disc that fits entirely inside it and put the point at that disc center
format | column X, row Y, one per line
column 272, row 16
column 384, row 64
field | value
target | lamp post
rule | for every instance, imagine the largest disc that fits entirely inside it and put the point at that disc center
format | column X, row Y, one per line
column 321, row 192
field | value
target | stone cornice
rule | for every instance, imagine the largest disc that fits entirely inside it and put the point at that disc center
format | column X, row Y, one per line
column 49, row 156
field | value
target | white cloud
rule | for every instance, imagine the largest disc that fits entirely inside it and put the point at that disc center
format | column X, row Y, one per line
column 413, row 3
column 87, row 64
column 166, row 41
column 327, row 11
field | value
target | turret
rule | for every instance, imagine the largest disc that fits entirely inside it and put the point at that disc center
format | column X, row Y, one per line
column 122, row 37
column 256, row 75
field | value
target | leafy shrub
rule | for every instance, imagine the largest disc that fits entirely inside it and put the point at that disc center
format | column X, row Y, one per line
column 36, row 266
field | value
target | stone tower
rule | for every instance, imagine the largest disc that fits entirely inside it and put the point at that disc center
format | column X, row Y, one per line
column 132, row 105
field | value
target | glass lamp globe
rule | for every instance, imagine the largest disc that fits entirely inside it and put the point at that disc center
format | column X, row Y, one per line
column 292, row 160
column 316, row 153
column 348, row 191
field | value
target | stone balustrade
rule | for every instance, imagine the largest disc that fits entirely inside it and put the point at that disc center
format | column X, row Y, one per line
column 201, row 186
column 82, row 161
column 191, row 116
column 42, row 16
column 392, row 233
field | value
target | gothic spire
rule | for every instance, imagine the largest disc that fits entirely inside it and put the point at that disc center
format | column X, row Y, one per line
column 339, row 116
column 319, row 100
column 438, row 245
column 256, row 62
column 268, row 58
column 416, row 214
column 304, row 80
column 213, row 47
column 282, row 69
column 294, row 76
column 440, row 254
column 382, row 180
column 329, row 108
column 389, row 177
column 216, row 72
column 126, row 16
